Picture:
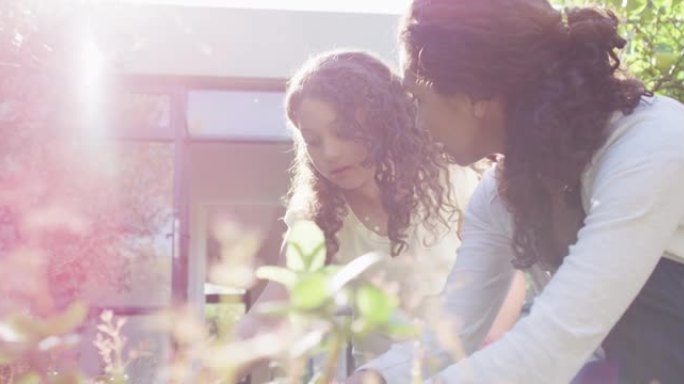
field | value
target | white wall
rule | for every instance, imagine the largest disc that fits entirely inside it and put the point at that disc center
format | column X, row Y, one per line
column 227, row 42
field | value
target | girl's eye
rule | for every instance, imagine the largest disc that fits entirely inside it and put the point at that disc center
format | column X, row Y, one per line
column 348, row 132
column 342, row 134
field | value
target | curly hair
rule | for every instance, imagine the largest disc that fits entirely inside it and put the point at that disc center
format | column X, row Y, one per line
column 410, row 168
column 560, row 77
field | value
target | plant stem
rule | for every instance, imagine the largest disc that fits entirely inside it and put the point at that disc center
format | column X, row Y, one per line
column 333, row 356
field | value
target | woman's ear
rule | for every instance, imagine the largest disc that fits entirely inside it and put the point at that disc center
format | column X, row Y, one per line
column 479, row 108
column 488, row 109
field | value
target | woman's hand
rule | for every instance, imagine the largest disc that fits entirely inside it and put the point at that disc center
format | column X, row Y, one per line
column 365, row 376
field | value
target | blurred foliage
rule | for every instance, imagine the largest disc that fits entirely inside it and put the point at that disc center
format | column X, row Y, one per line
column 655, row 33
column 330, row 302
column 35, row 349
column 110, row 342
column 77, row 209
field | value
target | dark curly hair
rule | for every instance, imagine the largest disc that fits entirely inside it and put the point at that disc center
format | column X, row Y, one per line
column 410, row 169
column 560, row 77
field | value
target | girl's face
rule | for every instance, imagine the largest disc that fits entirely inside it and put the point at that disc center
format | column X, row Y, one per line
column 333, row 153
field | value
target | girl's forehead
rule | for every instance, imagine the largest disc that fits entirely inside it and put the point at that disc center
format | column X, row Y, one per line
column 313, row 113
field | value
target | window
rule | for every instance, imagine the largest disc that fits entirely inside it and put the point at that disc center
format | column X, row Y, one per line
column 237, row 115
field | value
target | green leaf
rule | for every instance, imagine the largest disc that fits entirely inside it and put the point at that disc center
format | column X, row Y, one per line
column 305, row 246
column 5, row 358
column 311, row 292
column 352, row 270
column 331, row 269
column 636, row 6
column 9, row 333
column 648, row 15
column 664, row 61
column 403, row 331
column 374, row 305
column 316, row 259
column 294, row 256
column 71, row 377
column 68, row 320
column 280, row 275
column 30, row 378
column 118, row 379
column 615, row 4
column 30, row 329
column 665, row 57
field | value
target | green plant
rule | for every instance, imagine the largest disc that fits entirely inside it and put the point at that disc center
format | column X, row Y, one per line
column 33, row 347
column 110, row 343
column 655, row 33
column 322, row 298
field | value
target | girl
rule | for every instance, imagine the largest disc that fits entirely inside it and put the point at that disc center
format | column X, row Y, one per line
column 373, row 181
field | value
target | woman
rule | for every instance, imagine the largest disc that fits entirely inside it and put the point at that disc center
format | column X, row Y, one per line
column 590, row 193
column 373, row 181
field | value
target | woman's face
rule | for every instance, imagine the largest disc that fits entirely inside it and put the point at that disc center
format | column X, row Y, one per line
column 334, row 155
column 469, row 130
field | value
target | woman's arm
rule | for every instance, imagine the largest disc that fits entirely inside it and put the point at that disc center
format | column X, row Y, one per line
column 510, row 310
column 637, row 204
column 475, row 290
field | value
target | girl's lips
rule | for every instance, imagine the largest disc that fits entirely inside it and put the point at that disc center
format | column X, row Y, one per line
column 340, row 170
